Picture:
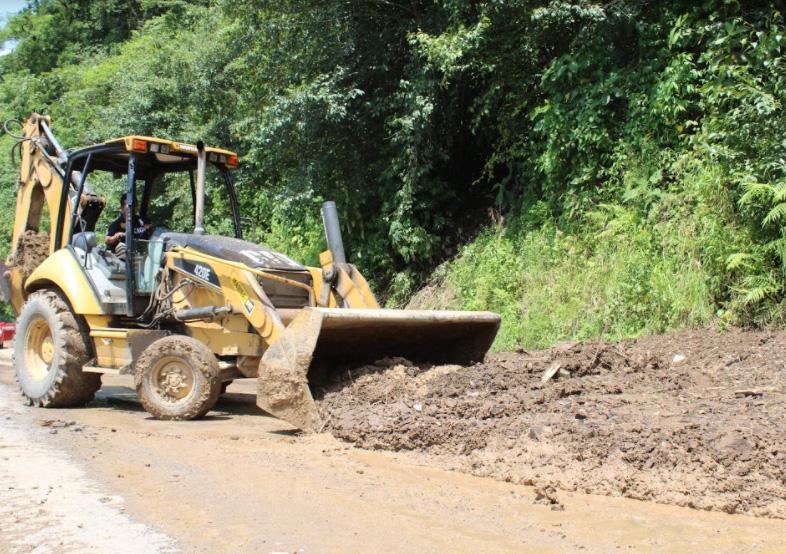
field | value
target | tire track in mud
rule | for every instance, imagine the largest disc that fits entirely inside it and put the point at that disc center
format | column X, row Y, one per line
column 695, row 419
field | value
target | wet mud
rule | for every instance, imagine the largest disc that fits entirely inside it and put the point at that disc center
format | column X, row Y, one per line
column 695, row 418
column 31, row 250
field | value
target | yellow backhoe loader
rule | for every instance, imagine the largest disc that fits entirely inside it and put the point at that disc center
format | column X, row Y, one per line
column 186, row 312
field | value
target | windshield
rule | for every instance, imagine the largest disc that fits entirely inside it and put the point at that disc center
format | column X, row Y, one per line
column 171, row 203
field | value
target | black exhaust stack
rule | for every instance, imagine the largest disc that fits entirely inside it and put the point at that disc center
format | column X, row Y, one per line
column 333, row 232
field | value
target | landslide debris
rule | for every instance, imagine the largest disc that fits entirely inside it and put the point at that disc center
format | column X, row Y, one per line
column 31, row 250
column 695, row 418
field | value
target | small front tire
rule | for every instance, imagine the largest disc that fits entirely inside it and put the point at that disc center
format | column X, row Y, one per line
column 177, row 378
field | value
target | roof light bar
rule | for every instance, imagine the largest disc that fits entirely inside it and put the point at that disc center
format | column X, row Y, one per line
column 139, row 146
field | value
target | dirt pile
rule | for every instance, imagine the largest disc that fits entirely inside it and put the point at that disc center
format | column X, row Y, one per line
column 693, row 419
column 31, row 250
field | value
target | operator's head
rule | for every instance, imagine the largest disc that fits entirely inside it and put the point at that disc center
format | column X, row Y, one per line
column 124, row 204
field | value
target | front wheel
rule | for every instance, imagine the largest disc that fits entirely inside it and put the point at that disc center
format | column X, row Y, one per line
column 177, row 377
column 49, row 352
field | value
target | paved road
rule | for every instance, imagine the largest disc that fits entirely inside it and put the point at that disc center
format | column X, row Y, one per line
column 110, row 478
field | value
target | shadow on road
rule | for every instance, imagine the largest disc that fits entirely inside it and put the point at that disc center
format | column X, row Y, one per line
column 230, row 404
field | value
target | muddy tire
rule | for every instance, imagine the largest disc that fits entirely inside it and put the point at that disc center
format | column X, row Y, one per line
column 177, row 377
column 50, row 349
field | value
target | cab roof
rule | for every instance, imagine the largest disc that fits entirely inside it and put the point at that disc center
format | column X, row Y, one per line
column 181, row 148
column 154, row 155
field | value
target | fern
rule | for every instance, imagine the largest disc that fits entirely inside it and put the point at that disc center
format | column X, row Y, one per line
column 779, row 191
column 757, row 288
column 739, row 260
column 776, row 214
column 755, row 191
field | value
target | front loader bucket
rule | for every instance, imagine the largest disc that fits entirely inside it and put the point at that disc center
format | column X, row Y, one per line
column 330, row 337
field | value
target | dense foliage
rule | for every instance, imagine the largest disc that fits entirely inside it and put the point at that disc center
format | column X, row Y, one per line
column 585, row 168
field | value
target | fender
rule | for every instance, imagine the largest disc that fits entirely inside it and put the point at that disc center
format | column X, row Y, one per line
column 62, row 270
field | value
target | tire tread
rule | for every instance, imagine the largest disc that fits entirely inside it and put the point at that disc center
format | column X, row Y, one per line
column 71, row 386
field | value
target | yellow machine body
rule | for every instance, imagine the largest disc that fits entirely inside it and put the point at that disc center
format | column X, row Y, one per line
column 261, row 314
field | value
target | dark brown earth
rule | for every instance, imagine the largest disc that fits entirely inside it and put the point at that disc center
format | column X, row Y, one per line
column 694, row 418
column 31, row 250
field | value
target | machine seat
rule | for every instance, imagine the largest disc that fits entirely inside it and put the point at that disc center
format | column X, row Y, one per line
column 84, row 241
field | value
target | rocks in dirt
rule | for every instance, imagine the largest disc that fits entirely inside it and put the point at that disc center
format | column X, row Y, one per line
column 546, row 496
column 536, row 432
column 626, row 422
column 56, row 423
column 551, row 371
column 758, row 392
column 554, row 370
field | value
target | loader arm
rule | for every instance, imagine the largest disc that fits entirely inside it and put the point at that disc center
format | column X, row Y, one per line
column 347, row 326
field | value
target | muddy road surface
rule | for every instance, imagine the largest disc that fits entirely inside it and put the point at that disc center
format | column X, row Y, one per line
column 109, row 478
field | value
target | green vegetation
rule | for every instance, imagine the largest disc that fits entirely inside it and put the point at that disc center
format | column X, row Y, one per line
column 587, row 169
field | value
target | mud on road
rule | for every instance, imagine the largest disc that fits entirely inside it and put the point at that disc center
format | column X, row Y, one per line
column 241, row 481
column 693, row 419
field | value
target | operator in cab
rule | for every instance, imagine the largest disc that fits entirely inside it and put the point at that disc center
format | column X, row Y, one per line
column 116, row 235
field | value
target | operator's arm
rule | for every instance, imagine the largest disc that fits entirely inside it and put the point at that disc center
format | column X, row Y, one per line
column 114, row 235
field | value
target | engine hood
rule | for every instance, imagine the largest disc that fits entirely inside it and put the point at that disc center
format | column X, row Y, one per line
column 234, row 250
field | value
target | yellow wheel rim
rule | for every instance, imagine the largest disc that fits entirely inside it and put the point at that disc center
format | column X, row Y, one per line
column 39, row 349
column 172, row 379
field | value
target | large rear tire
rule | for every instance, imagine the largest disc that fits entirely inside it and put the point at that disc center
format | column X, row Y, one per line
column 177, row 377
column 49, row 351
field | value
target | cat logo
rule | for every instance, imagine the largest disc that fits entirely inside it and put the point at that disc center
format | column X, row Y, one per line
column 263, row 258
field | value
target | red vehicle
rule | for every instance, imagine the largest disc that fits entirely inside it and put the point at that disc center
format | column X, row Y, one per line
column 7, row 332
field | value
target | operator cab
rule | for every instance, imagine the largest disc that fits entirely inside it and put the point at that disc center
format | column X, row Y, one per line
column 157, row 168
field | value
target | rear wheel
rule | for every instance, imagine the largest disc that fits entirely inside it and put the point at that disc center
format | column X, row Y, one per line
column 177, row 377
column 49, row 351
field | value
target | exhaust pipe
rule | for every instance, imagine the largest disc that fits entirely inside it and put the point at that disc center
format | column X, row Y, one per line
column 199, row 208
column 333, row 232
